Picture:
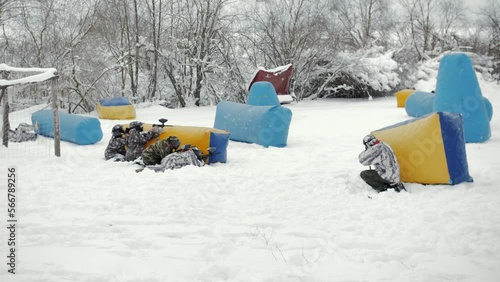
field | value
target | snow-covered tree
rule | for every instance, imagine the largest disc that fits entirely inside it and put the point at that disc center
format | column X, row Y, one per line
column 192, row 34
column 363, row 23
column 196, row 52
column 431, row 26
column 491, row 17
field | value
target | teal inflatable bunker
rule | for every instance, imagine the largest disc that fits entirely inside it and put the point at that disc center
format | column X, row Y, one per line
column 489, row 108
column 262, row 93
column 419, row 104
column 423, row 103
column 263, row 125
column 458, row 91
column 76, row 129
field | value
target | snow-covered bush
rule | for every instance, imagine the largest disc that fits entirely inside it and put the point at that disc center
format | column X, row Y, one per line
column 365, row 73
column 426, row 72
column 407, row 60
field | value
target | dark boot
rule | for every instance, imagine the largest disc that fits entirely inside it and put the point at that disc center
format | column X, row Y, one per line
column 398, row 187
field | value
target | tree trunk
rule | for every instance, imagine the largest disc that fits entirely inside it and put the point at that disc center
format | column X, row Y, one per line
column 5, row 118
column 156, row 46
column 136, row 55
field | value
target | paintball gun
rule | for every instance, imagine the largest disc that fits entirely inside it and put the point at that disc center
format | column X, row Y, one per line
column 162, row 121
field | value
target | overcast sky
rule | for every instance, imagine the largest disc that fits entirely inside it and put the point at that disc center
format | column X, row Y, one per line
column 475, row 4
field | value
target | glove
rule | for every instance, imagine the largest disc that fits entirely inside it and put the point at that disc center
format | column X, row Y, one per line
column 155, row 129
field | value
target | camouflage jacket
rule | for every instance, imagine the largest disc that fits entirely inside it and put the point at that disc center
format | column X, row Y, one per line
column 180, row 159
column 156, row 152
column 116, row 148
column 136, row 141
column 382, row 157
column 24, row 132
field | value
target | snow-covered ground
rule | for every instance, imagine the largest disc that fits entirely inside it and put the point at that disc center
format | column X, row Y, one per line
column 299, row 213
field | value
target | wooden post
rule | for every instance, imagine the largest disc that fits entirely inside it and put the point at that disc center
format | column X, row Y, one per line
column 57, row 132
column 5, row 118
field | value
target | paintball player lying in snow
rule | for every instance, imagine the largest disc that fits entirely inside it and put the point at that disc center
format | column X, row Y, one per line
column 166, row 154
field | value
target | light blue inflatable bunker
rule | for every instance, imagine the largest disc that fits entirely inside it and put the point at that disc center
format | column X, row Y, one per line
column 77, row 129
column 263, row 125
column 262, row 93
column 422, row 103
column 458, row 91
column 489, row 108
column 419, row 104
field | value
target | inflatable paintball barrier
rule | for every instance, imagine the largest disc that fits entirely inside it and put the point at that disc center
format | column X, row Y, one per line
column 115, row 108
column 201, row 137
column 262, row 93
column 401, row 97
column 458, row 91
column 262, row 121
column 422, row 103
column 76, row 129
column 419, row 104
column 429, row 149
column 488, row 107
column 263, row 125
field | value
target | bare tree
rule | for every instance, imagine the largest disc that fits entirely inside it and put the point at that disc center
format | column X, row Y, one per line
column 80, row 79
column 134, row 49
column 50, row 36
column 491, row 16
column 39, row 27
column 194, row 52
column 290, row 32
column 7, row 8
column 364, row 22
column 193, row 36
column 226, row 81
column 154, row 22
column 432, row 24
column 112, row 25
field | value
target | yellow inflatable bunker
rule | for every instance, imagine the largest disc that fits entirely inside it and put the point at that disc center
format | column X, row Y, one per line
column 401, row 97
column 115, row 108
column 429, row 149
column 201, row 137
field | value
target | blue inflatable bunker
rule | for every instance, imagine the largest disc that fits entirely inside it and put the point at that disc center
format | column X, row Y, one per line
column 262, row 93
column 419, row 104
column 115, row 101
column 263, row 125
column 489, row 108
column 422, row 103
column 77, row 129
column 262, row 120
column 458, row 91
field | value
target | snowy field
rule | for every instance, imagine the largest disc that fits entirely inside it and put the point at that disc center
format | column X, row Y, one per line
column 299, row 213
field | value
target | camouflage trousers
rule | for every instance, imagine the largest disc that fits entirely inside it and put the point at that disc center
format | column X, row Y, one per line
column 153, row 154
